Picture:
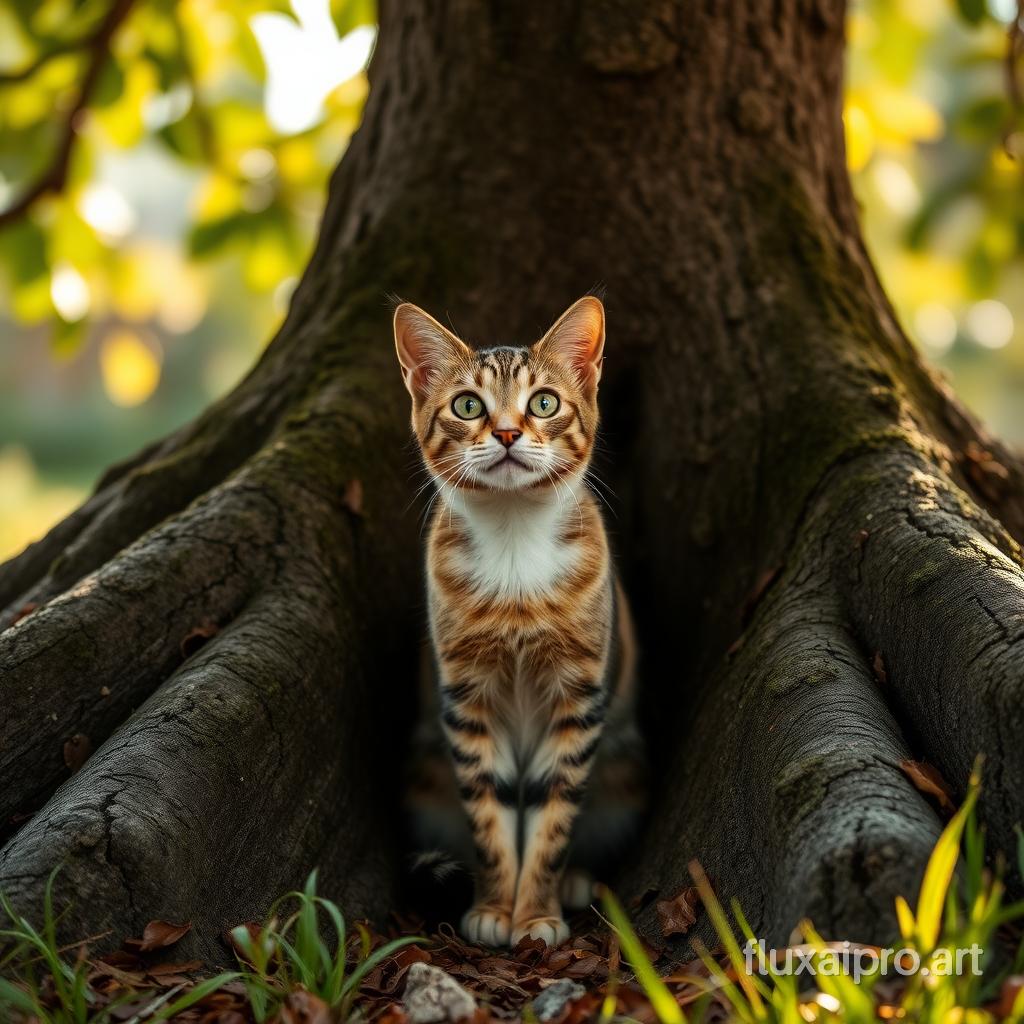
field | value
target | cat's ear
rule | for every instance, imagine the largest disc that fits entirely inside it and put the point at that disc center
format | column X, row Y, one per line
column 577, row 339
column 423, row 347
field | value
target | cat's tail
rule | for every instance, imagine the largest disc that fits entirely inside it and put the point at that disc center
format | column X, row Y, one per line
column 439, row 885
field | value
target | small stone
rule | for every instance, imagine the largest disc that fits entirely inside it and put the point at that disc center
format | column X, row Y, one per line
column 104, row 691
column 433, row 996
column 550, row 1003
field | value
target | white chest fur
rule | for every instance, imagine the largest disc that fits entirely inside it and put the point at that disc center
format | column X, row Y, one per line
column 516, row 546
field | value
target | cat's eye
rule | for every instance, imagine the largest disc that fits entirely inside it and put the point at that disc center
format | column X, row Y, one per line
column 544, row 404
column 467, row 406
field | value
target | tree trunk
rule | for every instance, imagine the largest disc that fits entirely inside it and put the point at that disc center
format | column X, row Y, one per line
column 818, row 540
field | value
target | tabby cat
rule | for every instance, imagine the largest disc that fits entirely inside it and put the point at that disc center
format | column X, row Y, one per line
column 531, row 632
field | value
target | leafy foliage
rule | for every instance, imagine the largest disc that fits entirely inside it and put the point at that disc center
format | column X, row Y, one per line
column 170, row 84
column 935, row 139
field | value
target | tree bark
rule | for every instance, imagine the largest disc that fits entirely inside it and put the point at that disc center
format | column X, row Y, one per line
column 797, row 499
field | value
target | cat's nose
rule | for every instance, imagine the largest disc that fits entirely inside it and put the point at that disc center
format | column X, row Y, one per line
column 507, row 437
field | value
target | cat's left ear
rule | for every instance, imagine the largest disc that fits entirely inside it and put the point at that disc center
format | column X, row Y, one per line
column 423, row 347
column 577, row 338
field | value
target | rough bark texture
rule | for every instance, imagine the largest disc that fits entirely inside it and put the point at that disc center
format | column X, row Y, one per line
column 796, row 494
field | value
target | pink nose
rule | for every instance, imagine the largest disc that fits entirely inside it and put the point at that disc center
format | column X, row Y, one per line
column 507, row 437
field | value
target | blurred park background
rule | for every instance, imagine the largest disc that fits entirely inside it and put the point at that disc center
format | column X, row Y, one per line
column 147, row 285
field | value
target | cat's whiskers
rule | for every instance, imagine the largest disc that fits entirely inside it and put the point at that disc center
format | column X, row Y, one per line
column 589, row 477
column 463, row 473
column 558, row 484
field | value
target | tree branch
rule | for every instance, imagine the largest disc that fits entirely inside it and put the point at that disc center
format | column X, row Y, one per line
column 54, row 176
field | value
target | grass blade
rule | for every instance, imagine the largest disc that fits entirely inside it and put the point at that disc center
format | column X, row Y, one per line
column 664, row 1003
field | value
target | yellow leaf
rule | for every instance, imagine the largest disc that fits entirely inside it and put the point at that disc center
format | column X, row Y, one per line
column 901, row 117
column 217, row 196
column 267, row 261
column 905, row 917
column 31, row 301
column 666, row 1009
column 937, row 875
column 860, row 136
column 130, row 367
column 122, row 121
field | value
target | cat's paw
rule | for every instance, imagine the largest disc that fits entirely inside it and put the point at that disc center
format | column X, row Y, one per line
column 487, row 924
column 551, row 930
column 576, row 889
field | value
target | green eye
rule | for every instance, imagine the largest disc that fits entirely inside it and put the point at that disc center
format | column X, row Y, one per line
column 544, row 404
column 467, row 406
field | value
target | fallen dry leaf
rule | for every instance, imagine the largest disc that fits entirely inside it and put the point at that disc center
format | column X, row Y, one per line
column 878, row 667
column 161, row 969
column 197, row 637
column 24, row 612
column 678, row 914
column 987, row 474
column 927, row 779
column 757, row 592
column 1008, row 995
column 158, row 935
column 353, row 497
column 77, row 751
column 302, row 1007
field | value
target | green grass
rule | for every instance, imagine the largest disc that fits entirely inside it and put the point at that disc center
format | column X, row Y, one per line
column 951, row 914
column 292, row 954
column 39, row 982
column 42, row 984
column 303, row 947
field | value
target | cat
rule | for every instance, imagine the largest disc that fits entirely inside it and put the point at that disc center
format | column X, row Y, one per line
column 530, row 740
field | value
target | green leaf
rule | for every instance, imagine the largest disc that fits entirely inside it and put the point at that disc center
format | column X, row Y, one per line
column 184, row 138
column 195, row 995
column 109, row 86
column 350, row 14
column 210, row 237
column 984, row 119
column 12, row 996
column 972, row 11
column 67, row 338
column 23, row 252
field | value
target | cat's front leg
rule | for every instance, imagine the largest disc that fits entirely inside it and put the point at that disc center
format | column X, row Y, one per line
column 482, row 767
column 555, row 785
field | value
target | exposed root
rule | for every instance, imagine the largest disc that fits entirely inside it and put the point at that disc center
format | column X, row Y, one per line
column 786, row 783
column 936, row 589
column 81, row 664
column 126, row 505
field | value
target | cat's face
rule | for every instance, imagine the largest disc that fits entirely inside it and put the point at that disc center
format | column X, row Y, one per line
column 504, row 419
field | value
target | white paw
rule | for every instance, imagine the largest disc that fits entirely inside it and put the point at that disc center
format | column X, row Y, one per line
column 551, row 930
column 577, row 889
column 487, row 926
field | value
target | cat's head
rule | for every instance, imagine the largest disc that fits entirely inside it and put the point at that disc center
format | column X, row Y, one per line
column 504, row 419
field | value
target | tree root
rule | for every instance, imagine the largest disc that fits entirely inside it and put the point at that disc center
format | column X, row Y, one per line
column 785, row 783
column 129, row 500
column 236, row 778
column 935, row 588
column 81, row 664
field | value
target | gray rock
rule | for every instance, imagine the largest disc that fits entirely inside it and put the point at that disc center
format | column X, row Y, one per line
column 433, row 996
column 550, row 1003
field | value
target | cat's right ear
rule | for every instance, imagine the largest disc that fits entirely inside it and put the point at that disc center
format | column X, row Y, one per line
column 423, row 347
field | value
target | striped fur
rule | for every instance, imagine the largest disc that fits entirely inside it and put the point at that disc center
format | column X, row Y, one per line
column 530, row 628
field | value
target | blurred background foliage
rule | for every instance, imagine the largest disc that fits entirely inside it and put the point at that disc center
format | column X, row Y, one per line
column 143, row 267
